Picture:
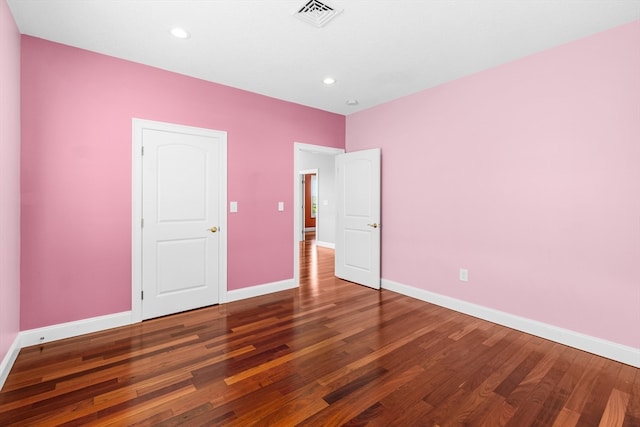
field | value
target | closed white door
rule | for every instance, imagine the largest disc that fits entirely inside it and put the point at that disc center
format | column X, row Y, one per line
column 181, row 218
column 357, row 252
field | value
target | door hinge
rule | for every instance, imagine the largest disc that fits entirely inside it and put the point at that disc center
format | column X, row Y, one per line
column 142, row 222
column 142, row 150
column 141, row 294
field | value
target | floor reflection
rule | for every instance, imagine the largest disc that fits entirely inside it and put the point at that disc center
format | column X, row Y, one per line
column 309, row 260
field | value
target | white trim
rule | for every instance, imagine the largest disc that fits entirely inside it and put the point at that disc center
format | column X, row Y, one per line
column 136, row 218
column 136, row 203
column 299, row 147
column 74, row 329
column 9, row 360
column 259, row 290
column 96, row 324
column 608, row 349
column 60, row 331
column 326, row 244
column 309, row 229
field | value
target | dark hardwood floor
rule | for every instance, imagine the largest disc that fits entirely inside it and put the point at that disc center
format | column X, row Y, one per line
column 329, row 353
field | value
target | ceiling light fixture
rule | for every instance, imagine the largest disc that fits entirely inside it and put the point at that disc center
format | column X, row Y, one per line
column 329, row 80
column 352, row 102
column 179, row 33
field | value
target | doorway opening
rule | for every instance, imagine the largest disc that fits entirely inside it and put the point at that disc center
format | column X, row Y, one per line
column 309, row 215
column 310, row 202
column 320, row 160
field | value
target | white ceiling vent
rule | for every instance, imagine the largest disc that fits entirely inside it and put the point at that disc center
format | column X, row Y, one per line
column 317, row 13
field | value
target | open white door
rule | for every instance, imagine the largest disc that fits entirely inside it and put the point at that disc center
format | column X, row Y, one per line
column 182, row 218
column 357, row 250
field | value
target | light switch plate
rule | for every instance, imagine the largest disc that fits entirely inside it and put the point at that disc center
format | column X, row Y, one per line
column 281, row 206
column 233, row 207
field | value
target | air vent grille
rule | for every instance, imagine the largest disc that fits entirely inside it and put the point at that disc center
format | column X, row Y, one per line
column 317, row 13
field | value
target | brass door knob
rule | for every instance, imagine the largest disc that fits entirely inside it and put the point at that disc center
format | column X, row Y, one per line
column 213, row 229
column 374, row 225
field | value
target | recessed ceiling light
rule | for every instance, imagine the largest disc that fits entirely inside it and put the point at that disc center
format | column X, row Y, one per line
column 352, row 102
column 329, row 80
column 179, row 33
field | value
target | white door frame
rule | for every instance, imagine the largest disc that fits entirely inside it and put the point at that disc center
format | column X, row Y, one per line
column 298, row 148
column 136, row 209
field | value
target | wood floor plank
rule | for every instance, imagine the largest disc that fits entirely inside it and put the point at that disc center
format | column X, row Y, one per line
column 336, row 375
column 343, row 410
column 583, row 387
column 566, row 418
column 600, row 394
column 498, row 414
column 327, row 353
column 632, row 417
column 551, row 388
column 275, row 362
column 480, row 389
column 615, row 410
column 289, row 409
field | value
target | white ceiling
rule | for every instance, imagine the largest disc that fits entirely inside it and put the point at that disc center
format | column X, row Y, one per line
column 377, row 50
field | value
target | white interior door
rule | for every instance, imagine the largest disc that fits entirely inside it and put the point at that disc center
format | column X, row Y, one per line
column 357, row 253
column 182, row 206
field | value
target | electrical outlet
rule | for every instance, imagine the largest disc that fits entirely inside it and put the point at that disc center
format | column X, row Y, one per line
column 463, row 275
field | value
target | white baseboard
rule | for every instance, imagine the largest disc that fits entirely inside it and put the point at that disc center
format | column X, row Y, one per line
column 608, row 349
column 9, row 359
column 95, row 324
column 326, row 244
column 604, row 348
column 258, row 290
column 72, row 329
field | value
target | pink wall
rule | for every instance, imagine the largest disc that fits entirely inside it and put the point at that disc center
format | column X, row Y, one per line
column 9, row 180
column 528, row 175
column 77, row 108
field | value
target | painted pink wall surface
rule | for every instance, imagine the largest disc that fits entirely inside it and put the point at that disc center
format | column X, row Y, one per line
column 77, row 108
column 9, row 180
column 528, row 175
